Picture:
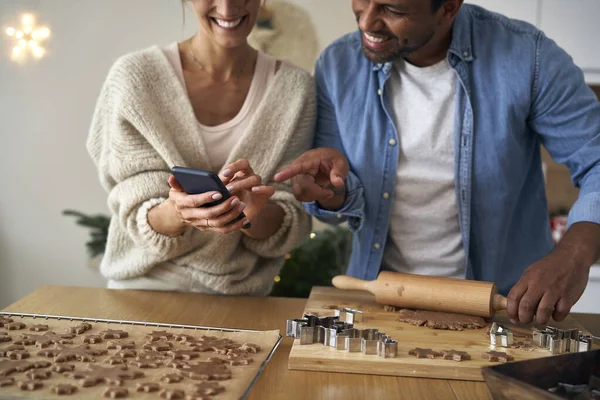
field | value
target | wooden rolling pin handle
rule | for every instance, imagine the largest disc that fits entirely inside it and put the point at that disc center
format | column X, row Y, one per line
column 499, row 302
column 349, row 283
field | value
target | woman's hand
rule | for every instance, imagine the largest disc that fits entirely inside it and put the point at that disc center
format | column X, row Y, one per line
column 189, row 210
column 242, row 182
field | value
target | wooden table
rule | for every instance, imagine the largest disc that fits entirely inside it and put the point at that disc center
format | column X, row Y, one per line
column 247, row 313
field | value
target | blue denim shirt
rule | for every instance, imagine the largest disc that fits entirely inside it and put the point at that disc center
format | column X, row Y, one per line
column 517, row 90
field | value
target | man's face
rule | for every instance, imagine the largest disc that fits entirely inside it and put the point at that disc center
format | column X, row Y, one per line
column 393, row 29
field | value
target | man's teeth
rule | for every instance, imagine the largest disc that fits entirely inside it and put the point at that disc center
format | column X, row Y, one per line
column 228, row 24
column 374, row 39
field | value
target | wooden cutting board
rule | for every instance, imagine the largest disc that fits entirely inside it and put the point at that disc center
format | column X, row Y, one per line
column 317, row 357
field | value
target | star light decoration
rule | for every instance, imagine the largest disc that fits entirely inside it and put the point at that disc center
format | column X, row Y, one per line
column 28, row 38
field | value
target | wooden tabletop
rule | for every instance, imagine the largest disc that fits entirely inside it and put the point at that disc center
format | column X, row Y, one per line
column 260, row 313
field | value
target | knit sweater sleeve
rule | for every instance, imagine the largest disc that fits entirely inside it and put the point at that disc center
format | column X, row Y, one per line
column 131, row 170
column 296, row 222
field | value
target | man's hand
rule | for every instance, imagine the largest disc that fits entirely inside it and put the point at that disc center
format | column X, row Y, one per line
column 318, row 175
column 551, row 286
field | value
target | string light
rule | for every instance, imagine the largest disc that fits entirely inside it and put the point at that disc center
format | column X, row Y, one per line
column 313, row 235
column 277, row 279
column 28, row 38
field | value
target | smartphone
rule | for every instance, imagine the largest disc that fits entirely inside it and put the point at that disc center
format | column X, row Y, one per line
column 197, row 181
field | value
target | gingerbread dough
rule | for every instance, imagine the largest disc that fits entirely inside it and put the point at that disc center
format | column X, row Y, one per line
column 440, row 320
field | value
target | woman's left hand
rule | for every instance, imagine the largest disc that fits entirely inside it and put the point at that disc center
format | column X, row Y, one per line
column 241, row 181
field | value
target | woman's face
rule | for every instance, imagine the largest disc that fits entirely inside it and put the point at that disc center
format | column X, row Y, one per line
column 227, row 22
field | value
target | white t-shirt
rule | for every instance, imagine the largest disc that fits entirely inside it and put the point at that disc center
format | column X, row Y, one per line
column 424, row 236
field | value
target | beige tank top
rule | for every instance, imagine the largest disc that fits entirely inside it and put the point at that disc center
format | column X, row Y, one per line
column 219, row 140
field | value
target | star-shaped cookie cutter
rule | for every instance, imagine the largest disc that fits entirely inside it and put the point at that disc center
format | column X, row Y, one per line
column 559, row 341
column 500, row 336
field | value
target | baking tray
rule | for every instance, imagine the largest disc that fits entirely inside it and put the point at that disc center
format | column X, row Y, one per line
column 531, row 379
column 157, row 325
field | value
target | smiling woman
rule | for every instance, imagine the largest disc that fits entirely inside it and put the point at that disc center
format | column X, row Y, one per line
column 210, row 102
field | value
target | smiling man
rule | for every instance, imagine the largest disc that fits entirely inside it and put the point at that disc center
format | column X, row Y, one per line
column 431, row 118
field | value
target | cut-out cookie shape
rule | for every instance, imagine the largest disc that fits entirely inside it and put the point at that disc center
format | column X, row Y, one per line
column 15, row 326
column 30, row 385
column 5, row 321
column 250, row 348
column 92, row 339
column 5, row 337
column 45, row 340
column 17, row 354
column 207, row 389
column 206, row 371
column 497, row 356
column 120, row 345
column 79, row 329
column 115, row 360
column 62, row 367
column 172, row 394
column 38, row 374
column 63, row 354
column 155, row 336
column 424, row 353
column 126, row 353
column 115, row 393
column 171, row 378
column 148, row 360
column 455, row 355
column 177, row 364
column 182, row 337
column 39, row 328
column 113, row 334
column 63, row 389
column 147, row 387
column 10, row 367
column 110, row 376
column 524, row 346
column 4, row 351
column 6, row 382
column 183, row 354
column 160, row 345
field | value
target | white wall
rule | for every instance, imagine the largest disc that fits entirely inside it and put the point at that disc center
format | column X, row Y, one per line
column 45, row 110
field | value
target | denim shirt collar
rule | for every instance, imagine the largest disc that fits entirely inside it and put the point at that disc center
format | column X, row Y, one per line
column 460, row 46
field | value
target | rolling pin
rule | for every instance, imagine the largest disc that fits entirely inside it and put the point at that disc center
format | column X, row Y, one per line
column 429, row 293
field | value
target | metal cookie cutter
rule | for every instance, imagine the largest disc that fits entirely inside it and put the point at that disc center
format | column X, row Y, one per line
column 559, row 341
column 353, row 339
column 312, row 329
column 370, row 341
column 500, row 336
column 349, row 315
column 388, row 348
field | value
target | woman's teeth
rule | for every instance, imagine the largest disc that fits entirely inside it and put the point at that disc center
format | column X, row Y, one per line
column 228, row 24
column 374, row 39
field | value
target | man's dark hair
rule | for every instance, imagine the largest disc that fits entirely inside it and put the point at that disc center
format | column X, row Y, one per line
column 436, row 4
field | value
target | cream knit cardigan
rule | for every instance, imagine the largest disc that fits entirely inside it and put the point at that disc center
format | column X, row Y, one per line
column 143, row 125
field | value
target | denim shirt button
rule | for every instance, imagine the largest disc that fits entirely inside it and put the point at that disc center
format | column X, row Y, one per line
column 392, row 142
column 379, row 92
column 339, row 216
column 386, row 195
column 377, row 246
